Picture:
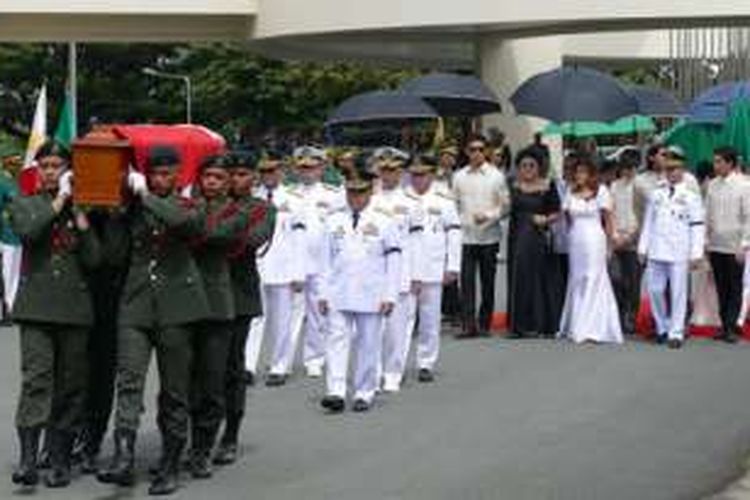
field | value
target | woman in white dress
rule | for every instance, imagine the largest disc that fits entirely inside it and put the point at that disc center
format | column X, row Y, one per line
column 590, row 313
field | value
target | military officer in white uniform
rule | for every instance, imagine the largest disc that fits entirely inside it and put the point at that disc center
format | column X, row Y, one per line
column 282, row 273
column 318, row 200
column 438, row 261
column 359, row 283
column 392, row 201
column 672, row 240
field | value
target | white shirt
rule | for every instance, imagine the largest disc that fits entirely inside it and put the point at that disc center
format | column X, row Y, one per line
column 318, row 202
column 401, row 210
column 437, row 230
column 625, row 219
column 649, row 181
column 280, row 264
column 727, row 213
column 480, row 191
column 673, row 225
column 361, row 267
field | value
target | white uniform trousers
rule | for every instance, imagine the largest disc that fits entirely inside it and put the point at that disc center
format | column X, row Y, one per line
column 428, row 329
column 262, row 326
column 658, row 274
column 360, row 334
column 397, row 331
column 12, row 255
column 313, row 353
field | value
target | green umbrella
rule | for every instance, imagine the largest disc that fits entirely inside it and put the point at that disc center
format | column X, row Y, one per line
column 698, row 140
column 737, row 128
column 623, row 126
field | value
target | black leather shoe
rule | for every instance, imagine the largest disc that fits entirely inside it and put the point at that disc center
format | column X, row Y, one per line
column 27, row 473
column 167, row 478
column 275, row 380
column 425, row 375
column 226, row 454
column 333, row 404
column 661, row 339
column 200, row 465
column 674, row 343
column 360, row 406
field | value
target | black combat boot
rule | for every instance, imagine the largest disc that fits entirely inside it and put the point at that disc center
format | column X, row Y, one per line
column 61, row 444
column 121, row 470
column 226, row 452
column 167, row 477
column 200, row 458
column 27, row 473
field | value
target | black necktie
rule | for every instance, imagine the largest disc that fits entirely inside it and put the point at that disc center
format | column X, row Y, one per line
column 671, row 191
column 269, row 196
column 355, row 219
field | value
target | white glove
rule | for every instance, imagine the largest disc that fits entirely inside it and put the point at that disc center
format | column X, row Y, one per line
column 137, row 183
column 65, row 184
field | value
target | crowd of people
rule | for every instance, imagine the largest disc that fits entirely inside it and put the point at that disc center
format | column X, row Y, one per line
column 351, row 257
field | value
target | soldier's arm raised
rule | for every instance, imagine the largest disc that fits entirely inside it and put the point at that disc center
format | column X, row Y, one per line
column 31, row 216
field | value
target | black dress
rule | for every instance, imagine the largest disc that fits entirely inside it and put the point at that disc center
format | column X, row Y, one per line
column 531, row 305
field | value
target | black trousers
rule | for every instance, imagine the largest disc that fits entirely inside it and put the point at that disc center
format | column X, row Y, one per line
column 728, row 277
column 451, row 303
column 482, row 260
column 235, row 376
column 211, row 343
column 625, row 273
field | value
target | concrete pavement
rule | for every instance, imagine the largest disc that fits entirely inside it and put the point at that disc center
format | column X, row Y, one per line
column 533, row 419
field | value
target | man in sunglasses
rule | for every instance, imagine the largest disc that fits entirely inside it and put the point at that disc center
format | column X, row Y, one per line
column 481, row 195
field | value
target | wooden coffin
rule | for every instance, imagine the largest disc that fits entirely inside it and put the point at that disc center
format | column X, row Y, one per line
column 100, row 167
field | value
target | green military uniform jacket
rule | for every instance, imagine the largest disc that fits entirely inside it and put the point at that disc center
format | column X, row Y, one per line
column 163, row 286
column 260, row 217
column 223, row 224
column 56, row 255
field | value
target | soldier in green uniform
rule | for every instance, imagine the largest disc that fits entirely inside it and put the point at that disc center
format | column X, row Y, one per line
column 260, row 217
column 54, row 311
column 163, row 297
column 211, row 340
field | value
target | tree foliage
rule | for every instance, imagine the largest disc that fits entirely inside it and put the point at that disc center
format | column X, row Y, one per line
column 234, row 91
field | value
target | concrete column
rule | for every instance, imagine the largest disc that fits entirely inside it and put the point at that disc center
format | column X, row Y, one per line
column 504, row 64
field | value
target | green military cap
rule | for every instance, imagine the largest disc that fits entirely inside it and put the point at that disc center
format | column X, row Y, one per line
column 423, row 164
column 163, row 156
column 215, row 161
column 241, row 159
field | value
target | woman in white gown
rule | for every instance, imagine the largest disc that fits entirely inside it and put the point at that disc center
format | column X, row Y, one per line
column 590, row 313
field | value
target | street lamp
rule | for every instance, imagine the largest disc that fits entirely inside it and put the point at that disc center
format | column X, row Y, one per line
column 173, row 76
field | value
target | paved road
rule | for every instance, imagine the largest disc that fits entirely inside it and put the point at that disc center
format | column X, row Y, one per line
column 510, row 420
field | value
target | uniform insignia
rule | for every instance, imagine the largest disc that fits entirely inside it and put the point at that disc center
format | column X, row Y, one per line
column 331, row 188
column 434, row 210
column 339, row 232
column 370, row 230
column 294, row 193
column 445, row 195
column 284, row 207
column 322, row 204
column 411, row 195
column 400, row 210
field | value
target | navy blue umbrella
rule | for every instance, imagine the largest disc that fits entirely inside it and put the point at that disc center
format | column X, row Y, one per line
column 380, row 106
column 713, row 105
column 571, row 94
column 454, row 95
column 656, row 102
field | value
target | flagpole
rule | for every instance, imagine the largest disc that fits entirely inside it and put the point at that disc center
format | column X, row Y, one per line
column 73, row 85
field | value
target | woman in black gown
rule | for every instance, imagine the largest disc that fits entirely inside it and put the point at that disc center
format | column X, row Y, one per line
column 534, row 206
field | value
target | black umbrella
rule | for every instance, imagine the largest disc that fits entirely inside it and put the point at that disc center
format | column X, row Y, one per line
column 656, row 102
column 454, row 95
column 571, row 94
column 380, row 106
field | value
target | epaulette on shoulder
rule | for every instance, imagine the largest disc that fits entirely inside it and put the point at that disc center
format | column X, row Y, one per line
column 294, row 192
column 411, row 196
column 331, row 187
column 445, row 195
